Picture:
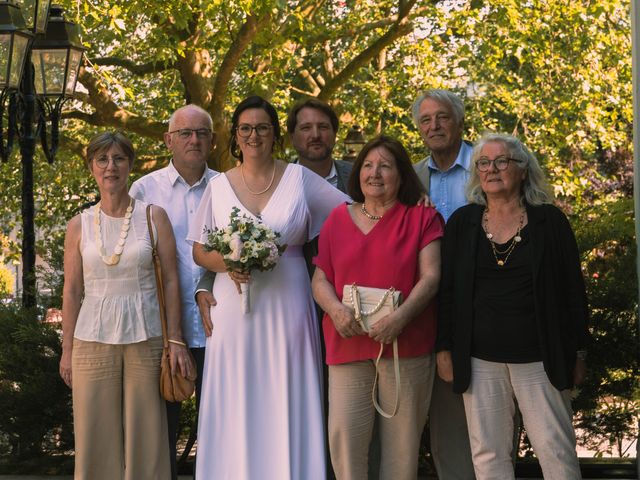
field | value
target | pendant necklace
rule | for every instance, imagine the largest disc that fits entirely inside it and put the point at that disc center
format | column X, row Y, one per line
column 124, row 233
column 510, row 246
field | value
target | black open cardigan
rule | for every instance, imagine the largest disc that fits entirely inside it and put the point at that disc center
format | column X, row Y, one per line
column 560, row 300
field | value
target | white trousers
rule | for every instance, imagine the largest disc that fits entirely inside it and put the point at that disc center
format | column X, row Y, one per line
column 546, row 414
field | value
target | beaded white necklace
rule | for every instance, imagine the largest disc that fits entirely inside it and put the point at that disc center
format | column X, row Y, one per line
column 124, row 233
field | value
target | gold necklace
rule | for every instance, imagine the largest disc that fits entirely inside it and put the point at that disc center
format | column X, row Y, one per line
column 369, row 215
column 273, row 176
column 124, row 233
column 510, row 247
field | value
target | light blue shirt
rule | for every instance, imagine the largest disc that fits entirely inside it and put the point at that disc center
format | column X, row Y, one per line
column 167, row 189
column 447, row 189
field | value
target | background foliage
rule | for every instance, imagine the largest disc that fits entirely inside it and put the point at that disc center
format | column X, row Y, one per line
column 556, row 73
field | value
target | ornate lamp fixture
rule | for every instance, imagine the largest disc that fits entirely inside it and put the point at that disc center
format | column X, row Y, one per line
column 36, row 76
column 353, row 143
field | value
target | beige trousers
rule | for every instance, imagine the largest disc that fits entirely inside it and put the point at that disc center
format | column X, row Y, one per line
column 119, row 416
column 546, row 414
column 352, row 415
column 448, row 433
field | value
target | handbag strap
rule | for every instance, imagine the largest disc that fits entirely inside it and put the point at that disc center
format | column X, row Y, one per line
column 396, row 370
column 159, row 282
column 355, row 299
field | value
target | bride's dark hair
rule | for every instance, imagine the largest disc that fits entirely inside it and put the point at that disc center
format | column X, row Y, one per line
column 254, row 101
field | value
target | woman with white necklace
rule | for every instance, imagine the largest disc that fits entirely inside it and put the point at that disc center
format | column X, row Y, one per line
column 112, row 337
column 513, row 312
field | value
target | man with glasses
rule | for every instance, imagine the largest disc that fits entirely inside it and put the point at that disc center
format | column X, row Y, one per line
column 439, row 115
column 178, row 189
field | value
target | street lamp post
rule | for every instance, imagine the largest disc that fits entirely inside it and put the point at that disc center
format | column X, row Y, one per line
column 353, row 143
column 36, row 76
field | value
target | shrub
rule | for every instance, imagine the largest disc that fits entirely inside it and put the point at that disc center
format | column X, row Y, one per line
column 35, row 404
column 609, row 402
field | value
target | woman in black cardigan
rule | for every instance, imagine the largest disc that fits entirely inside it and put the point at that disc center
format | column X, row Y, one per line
column 513, row 312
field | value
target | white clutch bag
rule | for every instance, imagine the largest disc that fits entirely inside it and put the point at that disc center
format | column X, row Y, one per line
column 370, row 305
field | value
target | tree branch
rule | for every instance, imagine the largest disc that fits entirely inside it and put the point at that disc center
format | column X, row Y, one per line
column 368, row 27
column 108, row 113
column 136, row 69
column 246, row 34
column 400, row 29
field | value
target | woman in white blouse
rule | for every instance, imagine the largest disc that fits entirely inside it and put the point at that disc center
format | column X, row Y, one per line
column 112, row 338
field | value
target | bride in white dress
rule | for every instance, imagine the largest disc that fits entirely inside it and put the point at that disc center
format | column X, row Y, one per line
column 261, row 410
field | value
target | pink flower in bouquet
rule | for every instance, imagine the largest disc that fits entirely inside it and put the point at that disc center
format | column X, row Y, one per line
column 236, row 247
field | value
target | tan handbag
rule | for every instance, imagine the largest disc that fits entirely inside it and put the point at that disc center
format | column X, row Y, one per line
column 173, row 387
column 370, row 305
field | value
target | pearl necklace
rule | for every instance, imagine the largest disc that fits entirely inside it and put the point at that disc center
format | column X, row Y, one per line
column 510, row 247
column 124, row 232
column 369, row 215
column 273, row 176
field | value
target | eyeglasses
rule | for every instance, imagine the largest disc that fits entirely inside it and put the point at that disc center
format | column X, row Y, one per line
column 262, row 129
column 483, row 164
column 185, row 133
column 102, row 161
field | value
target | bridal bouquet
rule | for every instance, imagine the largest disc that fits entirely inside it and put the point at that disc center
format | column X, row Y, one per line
column 245, row 245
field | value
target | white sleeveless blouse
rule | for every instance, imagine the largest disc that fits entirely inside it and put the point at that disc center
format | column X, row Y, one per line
column 120, row 304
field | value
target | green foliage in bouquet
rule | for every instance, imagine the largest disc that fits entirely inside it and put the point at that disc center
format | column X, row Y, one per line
column 245, row 244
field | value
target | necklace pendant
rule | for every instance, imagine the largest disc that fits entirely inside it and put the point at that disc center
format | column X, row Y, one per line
column 500, row 263
column 517, row 238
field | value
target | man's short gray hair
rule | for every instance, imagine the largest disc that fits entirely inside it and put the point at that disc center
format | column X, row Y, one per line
column 191, row 106
column 445, row 97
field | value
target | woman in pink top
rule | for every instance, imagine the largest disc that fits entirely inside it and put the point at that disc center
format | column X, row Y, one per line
column 381, row 240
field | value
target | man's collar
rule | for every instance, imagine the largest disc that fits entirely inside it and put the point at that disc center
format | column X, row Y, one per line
column 332, row 173
column 462, row 160
column 174, row 175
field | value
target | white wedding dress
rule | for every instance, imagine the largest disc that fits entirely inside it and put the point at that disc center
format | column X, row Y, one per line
column 261, row 412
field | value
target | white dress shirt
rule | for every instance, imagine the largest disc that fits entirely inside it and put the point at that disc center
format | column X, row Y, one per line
column 167, row 189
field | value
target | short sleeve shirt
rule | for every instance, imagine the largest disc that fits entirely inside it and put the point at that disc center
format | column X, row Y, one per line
column 387, row 256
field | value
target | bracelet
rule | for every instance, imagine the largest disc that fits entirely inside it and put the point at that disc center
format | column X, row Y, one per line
column 581, row 354
column 177, row 342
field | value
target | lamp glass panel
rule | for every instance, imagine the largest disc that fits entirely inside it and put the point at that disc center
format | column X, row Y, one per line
column 5, row 45
column 74, row 64
column 41, row 17
column 17, row 59
column 50, row 65
column 38, row 68
column 28, row 8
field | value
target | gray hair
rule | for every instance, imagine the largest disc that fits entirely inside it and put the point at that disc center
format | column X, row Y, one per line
column 445, row 97
column 191, row 106
column 535, row 189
